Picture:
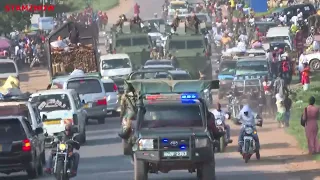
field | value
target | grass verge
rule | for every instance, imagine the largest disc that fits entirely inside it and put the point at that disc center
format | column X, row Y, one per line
column 97, row 5
column 300, row 99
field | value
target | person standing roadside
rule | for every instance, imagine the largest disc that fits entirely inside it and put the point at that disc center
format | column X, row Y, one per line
column 280, row 110
column 305, row 77
column 287, row 104
column 310, row 117
column 136, row 9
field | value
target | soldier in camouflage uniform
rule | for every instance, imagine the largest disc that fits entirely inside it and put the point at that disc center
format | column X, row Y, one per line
column 154, row 53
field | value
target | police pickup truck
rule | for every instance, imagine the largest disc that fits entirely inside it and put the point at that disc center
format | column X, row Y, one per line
column 171, row 134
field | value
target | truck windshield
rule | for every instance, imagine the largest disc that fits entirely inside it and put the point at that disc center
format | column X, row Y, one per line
column 194, row 44
column 116, row 64
column 172, row 115
column 123, row 42
column 52, row 102
column 140, row 41
column 177, row 45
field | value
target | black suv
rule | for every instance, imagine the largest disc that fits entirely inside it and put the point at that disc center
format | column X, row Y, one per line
column 172, row 135
column 20, row 147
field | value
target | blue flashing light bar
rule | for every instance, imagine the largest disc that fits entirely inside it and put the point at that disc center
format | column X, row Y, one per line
column 165, row 140
column 182, row 147
column 189, row 96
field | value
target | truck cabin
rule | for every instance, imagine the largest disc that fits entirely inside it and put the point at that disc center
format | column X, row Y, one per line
column 62, row 58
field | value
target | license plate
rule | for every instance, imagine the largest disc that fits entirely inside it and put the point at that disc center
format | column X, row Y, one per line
column 175, row 154
column 86, row 105
column 52, row 122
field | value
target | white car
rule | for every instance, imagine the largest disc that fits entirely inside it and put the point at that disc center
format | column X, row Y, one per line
column 314, row 60
column 178, row 6
column 59, row 107
column 115, row 65
column 278, row 34
column 112, row 94
column 8, row 68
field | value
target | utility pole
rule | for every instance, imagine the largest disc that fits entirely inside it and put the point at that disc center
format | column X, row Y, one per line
column 43, row 3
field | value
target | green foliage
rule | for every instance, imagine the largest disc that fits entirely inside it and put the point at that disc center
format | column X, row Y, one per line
column 300, row 99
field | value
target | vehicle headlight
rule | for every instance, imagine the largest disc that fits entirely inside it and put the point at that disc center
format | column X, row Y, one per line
column 219, row 122
column 248, row 130
column 146, row 144
column 62, row 147
column 203, row 142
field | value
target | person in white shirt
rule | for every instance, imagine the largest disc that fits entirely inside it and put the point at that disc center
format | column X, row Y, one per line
column 302, row 60
column 294, row 20
column 241, row 46
column 243, row 38
column 219, row 114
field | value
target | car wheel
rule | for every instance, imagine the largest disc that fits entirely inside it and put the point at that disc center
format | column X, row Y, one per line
column 140, row 169
column 40, row 166
column 43, row 157
column 208, row 171
column 315, row 64
column 127, row 149
column 32, row 171
column 83, row 136
column 101, row 120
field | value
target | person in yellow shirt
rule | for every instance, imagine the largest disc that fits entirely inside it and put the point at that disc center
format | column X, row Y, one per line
column 232, row 4
column 225, row 39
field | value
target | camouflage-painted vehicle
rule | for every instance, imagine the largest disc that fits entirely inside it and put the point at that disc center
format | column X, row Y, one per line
column 132, row 41
column 191, row 49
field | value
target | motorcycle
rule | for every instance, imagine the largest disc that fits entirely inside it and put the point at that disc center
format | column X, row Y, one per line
column 223, row 141
column 248, row 147
column 233, row 106
column 61, row 158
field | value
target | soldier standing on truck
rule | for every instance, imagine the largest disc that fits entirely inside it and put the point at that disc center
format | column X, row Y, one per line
column 74, row 35
column 154, row 53
column 175, row 23
column 121, row 20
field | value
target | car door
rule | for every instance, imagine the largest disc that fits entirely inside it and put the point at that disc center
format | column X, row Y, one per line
column 35, row 145
column 39, row 125
column 81, row 114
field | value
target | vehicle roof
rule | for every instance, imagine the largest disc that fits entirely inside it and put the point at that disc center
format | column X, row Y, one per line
column 152, row 60
column 278, row 42
column 11, row 117
column 171, row 103
column 103, row 80
column 53, row 91
column 278, row 31
column 131, row 35
column 255, row 50
column 186, row 37
column 297, row 6
column 252, row 59
column 178, row 71
column 178, row 2
column 7, row 61
column 114, row 56
column 158, row 66
column 264, row 22
column 13, row 103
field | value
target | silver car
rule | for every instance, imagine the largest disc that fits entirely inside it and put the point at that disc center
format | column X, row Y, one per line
column 92, row 95
column 112, row 94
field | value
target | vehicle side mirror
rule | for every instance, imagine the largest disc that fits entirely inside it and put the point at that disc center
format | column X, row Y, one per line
column 39, row 131
column 44, row 117
column 83, row 101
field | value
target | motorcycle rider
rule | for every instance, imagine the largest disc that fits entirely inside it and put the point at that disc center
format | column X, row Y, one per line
column 220, row 114
column 74, row 157
column 246, row 117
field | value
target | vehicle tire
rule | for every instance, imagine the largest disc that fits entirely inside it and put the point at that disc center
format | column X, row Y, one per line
column 246, row 158
column 40, row 167
column 60, row 174
column 315, row 64
column 222, row 144
column 127, row 149
column 83, row 137
column 43, row 157
column 140, row 169
column 32, row 171
column 101, row 120
column 258, row 155
column 208, row 171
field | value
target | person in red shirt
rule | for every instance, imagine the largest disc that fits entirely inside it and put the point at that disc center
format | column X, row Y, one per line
column 305, row 78
column 268, row 95
column 136, row 9
column 105, row 20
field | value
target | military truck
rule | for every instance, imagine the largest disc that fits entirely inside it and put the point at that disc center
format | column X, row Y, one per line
column 64, row 58
column 159, row 145
column 191, row 49
column 132, row 41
